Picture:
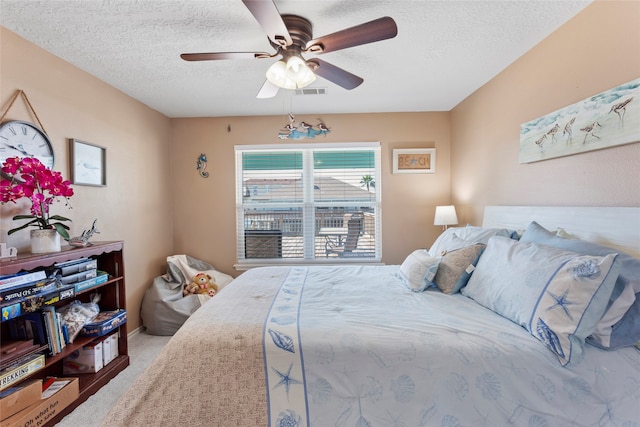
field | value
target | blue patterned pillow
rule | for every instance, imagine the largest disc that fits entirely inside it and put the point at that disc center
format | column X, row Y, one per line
column 418, row 270
column 557, row 295
column 620, row 327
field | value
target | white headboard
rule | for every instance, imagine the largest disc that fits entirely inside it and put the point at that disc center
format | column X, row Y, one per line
column 616, row 227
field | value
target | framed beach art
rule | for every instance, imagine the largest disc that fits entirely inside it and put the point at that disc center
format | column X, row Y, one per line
column 414, row 160
column 605, row 120
column 88, row 163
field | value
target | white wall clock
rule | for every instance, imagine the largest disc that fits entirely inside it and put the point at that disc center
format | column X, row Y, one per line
column 23, row 139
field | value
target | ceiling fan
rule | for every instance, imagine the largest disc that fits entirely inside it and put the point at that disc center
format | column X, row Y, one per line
column 291, row 36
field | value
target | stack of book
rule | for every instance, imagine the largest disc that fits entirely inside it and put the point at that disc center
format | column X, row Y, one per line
column 27, row 301
column 44, row 327
column 18, row 360
column 83, row 273
column 27, row 292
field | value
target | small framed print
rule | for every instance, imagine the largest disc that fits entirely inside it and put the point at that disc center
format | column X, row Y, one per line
column 419, row 160
column 88, row 163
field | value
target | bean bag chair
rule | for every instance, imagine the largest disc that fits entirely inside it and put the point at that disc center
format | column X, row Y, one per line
column 164, row 306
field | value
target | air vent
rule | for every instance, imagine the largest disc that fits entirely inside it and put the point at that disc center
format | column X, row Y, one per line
column 312, row 91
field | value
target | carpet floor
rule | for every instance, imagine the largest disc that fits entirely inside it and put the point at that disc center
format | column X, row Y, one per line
column 143, row 348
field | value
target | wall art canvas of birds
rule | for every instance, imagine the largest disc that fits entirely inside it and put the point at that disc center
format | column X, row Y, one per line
column 605, row 120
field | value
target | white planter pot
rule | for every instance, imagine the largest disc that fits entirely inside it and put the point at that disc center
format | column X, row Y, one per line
column 43, row 241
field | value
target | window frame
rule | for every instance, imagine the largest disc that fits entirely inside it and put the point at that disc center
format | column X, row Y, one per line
column 308, row 205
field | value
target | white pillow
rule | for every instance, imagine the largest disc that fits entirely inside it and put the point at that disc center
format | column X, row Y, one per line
column 475, row 234
column 459, row 237
column 557, row 295
column 443, row 242
column 620, row 306
column 418, row 270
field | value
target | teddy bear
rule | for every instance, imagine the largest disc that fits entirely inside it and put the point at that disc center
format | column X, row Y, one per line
column 201, row 283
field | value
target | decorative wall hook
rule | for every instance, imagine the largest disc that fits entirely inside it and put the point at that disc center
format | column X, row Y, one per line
column 202, row 165
column 303, row 129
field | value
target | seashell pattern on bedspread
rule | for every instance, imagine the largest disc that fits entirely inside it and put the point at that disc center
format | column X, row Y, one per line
column 360, row 348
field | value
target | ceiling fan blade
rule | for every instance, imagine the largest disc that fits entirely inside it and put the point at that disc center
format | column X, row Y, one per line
column 224, row 55
column 268, row 90
column 267, row 15
column 336, row 74
column 369, row 32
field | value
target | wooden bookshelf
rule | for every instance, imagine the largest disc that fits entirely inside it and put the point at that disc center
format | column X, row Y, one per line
column 112, row 296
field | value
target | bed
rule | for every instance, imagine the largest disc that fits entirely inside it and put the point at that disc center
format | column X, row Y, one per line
column 419, row 345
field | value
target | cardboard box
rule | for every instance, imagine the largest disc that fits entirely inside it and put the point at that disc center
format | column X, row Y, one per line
column 41, row 412
column 106, row 351
column 85, row 360
column 17, row 398
column 115, row 352
column 105, row 322
column 109, row 348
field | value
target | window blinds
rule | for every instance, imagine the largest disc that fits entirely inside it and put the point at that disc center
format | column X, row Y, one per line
column 308, row 203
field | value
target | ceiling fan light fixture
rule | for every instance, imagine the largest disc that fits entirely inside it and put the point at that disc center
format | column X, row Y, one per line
column 292, row 74
column 291, row 36
column 277, row 74
column 299, row 72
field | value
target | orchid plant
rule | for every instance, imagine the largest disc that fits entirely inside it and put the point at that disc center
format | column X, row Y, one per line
column 31, row 179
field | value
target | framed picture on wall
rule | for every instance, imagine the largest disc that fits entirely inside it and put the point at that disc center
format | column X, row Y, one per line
column 88, row 163
column 414, row 160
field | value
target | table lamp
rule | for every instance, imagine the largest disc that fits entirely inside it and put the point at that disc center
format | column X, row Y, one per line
column 445, row 216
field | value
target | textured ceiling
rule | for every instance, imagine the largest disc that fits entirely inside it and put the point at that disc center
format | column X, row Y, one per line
column 443, row 52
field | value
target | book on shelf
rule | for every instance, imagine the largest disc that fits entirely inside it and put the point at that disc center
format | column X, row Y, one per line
column 24, row 290
column 70, row 262
column 46, row 323
column 21, row 369
column 76, row 266
column 35, row 302
column 90, row 283
column 31, row 326
column 11, row 350
column 36, row 349
column 79, row 277
column 21, row 278
column 52, row 324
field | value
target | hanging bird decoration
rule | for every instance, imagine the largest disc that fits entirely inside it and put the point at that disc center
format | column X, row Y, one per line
column 201, row 165
column 303, row 129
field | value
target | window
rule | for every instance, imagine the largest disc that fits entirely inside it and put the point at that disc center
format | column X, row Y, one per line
column 308, row 203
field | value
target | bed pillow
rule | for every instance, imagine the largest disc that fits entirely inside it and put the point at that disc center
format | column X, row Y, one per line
column 557, row 295
column 620, row 326
column 450, row 238
column 475, row 234
column 456, row 267
column 418, row 270
column 443, row 241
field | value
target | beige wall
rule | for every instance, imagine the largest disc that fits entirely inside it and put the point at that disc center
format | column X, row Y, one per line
column 158, row 204
column 204, row 208
column 595, row 51
column 135, row 205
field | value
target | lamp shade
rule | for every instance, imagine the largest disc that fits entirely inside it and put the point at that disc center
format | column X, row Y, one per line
column 277, row 74
column 445, row 215
column 292, row 74
column 298, row 71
